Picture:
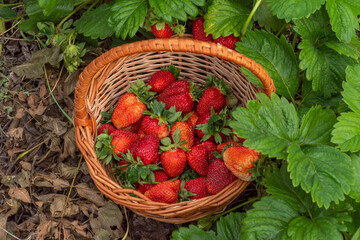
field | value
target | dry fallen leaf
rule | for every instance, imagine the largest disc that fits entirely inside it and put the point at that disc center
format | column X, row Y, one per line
column 66, row 171
column 44, row 180
column 69, row 144
column 16, row 132
column 57, row 206
column 26, row 165
column 44, row 227
column 3, row 221
column 56, row 126
column 20, row 193
column 90, row 194
column 23, row 179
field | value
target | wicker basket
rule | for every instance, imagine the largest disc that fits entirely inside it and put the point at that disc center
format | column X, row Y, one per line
column 106, row 78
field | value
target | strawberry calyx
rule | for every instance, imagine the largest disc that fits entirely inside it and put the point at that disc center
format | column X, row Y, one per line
column 171, row 68
column 195, row 92
column 220, row 84
column 167, row 145
column 158, row 110
column 184, row 195
column 104, row 150
column 142, row 92
column 107, row 116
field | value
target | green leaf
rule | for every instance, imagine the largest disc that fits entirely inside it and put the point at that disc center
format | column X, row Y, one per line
column 352, row 88
column 94, row 24
column 127, row 16
column 192, row 233
column 178, row 9
column 229, row 227
column 316, row 126
column 47, row 5
column 322, row 228
column 269, row 126
column 36, row 13
column 294, row 9
column 251, row 77
column 225, row 17
column 355, row 188
column 343, row 17
column 346, row 132
column 322, row 170
column 269, row 219
column 324, row 66
column 266, row 19
column 276, row 56
column 344, row 48
column 6, row 12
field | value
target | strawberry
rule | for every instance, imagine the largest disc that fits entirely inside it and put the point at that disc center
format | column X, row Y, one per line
column 239, row 160
column 134, row 127
column 223, row 146
column 198, row 31
column 127, row 111
column 214, row 96
column 122, row 140
column 211, row 147
column 162, row 31
column 165, row 192
column 151, row 125
column 213, row 126
column 192, row 119
column 186, row 133
column 141, row 133
column 173, row 161
column 199, row 159
column 147, row 148
column 107, row 126
column 228, row 41
column 160, row 176
column 161, row 79
column 219, row 177
column 178, row 94
column 198, row 187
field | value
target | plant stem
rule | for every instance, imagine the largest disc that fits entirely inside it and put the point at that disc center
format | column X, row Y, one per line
column 294, row 41
column 72, row 13
column 11, row 4
column 240, row 205
column 281, row 29
column 92, row 5
column 248, row 20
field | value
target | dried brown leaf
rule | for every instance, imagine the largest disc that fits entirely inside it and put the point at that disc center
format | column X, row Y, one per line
column 44, row 227
column 26, row 165
column 20, row 193
column 90, row 194
column 57, row 206
column 3, row 222
column 70, row 83
column 16, row 132
column 42, row 91
column 44, row 180
column 38, row 110
column 23, row 179
column 66, row 171
column 56, row 126
column 69, row 144
column 8, row 180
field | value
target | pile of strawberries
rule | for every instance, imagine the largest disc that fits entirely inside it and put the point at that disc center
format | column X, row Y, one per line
column 171, row 141
column 198, row 34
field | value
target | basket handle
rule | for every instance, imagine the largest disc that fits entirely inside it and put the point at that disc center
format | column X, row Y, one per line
column 83, row 118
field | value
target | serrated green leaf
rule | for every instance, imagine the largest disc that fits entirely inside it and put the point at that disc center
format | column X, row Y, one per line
column 294, row 9
column 343, row 17
column 346, row 132
column 229, row 227
column 266, row 19
column 178, row 9
column 166, row 141
column 344, row 48
column 47, row 5
column 225, row 17
column 251, row 77
column 192, row 233
column 176, row 136
column 316, row 126
column 323, row 228
column 127, row 16
column 7, row 12
column 351, row 87
column 94, row 24
column 269, row 219
column 322, row 170
column 35, row 12
column 324, row 66
column 355, row 188
column 269, row 126
column 276, row 56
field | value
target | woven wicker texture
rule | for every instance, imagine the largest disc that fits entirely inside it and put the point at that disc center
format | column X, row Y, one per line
column 103, row 82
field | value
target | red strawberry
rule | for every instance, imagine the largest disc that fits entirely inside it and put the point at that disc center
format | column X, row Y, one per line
column 122, row 140
column 220, row 147
column 239, row 160
column 127, row 111
column 163, row 78
column 219, row 177
column 177, row 94
column 198, row 31
column 151, row 125
column 141, row 133
column 160, row 176
column 165, row 32
column 109, row 128
column 178, row 185
column 211, row 147
column 186, row 133
column 198, row 187
column 134, row 127
column 192, row 119
column 173, row 162
column 228, row 41
column 147, row 148
column 197, row 141
column 199, row 159
column 165, row 192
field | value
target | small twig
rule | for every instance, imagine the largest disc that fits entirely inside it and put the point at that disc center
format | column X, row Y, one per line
column 10, row 233
column 10, row 28
column 71, row 187
column 57, row 81
column 127, row 224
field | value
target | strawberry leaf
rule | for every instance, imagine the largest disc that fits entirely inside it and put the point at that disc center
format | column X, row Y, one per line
column 225, row 17
column 276, row 56
column 344, row 18
column 107, row 115
column 322, row 170
column 127, row 16
column 294, row 9
column 266, row 19
column 355, row 188
column 192, row 233
column 103, row 148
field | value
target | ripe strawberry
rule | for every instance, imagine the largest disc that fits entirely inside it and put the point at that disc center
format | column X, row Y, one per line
column 211, row 147
column 173, row 161
column 127, row 111
column 109, row 128
column 228, row 41
column 151, row 125
column 198, row 31
column 186, row 133
column 165, row 192
column 163, row 78
column 198, row 187
column 147, row 148
column 192, row 119
column 178, row 94
column 214, row 96
column 239, row 160
column 219, row 177
column 164, row 32
column 199, row 159
column 221, row 147
column 134, row 127
column 122, row 140
column 160, row 176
